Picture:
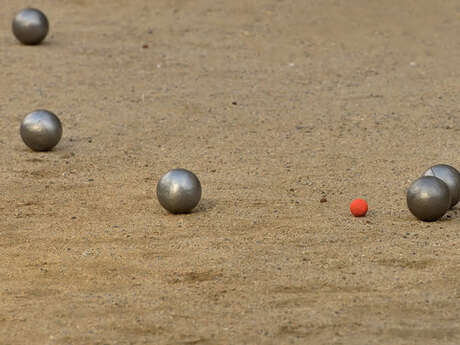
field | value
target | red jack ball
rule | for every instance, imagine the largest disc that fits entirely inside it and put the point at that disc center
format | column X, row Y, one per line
column 358, row 207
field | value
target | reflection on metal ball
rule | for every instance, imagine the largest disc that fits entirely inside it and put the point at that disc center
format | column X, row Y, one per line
column 41, row 130
column 30, row 26
column 428, row 198
column 179, row 191
column 450, row 176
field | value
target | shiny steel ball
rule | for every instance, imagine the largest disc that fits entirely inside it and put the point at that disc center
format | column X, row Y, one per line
column 428, row 198
column 450, row 176
column 179, row 191
column 41, row 130
column 30, row 26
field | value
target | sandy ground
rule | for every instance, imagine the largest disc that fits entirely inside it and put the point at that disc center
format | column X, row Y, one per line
column 275, row 105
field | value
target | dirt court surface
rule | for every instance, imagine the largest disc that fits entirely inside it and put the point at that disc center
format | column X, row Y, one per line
column 275, row 105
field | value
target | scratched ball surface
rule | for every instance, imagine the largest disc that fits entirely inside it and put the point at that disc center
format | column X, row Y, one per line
column 179, row 191
column 41, row 130
column 30, row 26
column 428, row 198
column 450, row 176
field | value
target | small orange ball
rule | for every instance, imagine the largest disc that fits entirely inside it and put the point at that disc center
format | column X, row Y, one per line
column 358, row 207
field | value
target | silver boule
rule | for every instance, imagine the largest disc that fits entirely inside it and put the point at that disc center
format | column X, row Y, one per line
column 41, row 130
column 450, row 176
column 30, row 26
column 428, row 198
column 179, row 191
